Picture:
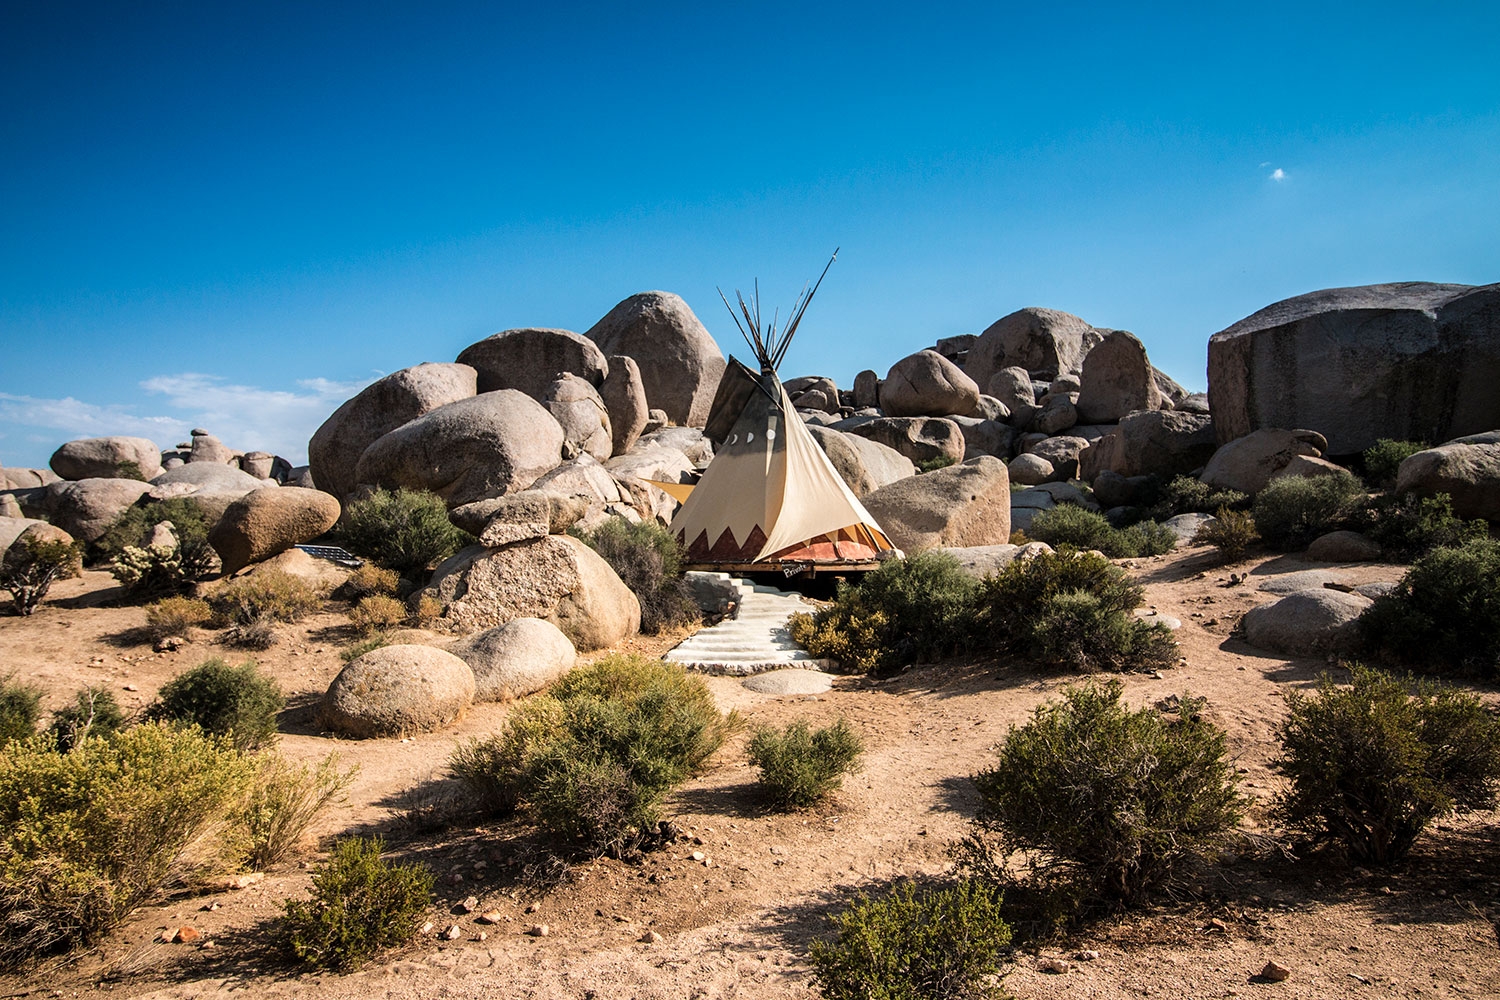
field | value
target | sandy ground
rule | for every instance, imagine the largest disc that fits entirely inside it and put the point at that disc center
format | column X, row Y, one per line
column 738, row 924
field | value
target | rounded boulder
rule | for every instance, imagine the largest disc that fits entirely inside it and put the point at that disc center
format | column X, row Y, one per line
column 516, row 659
column 264, row 523
column 105, row 457
column 396, row 691
column 926, row 384
column 680, row 362
column 1305, row 622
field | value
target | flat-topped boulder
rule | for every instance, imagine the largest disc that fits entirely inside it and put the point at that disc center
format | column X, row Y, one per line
column 107, row 458
column 1411, row 361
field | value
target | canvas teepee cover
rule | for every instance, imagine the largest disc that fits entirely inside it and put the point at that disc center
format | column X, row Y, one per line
column 770, row 494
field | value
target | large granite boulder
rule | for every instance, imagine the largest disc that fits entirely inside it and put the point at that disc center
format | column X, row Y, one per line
column 680, row 363
column 1062, row 453
column 691, row 441
column 919, row 439
column 531, row 359
column 520, row 516
column 1058, row 413
column 961, row 505
column 557, row 578
column 87, row 508
column 579, row 410
column 17, row 478
column 866, row 389
column 210, row 477
column 376, row 410
column 516, row 659
column 1012, row 387
column 1467, row 469
column 1117, row 379
column 1247, row 464
column 1045, row 342
column 986, row 437
column 263, row 523
column 864, row 465
column 624, row 395
column 1412, row 361
column 1031, row 470
column 492, row 444
column 397, row 690
column 106, row 458
column 582, row 476
column 926, row 384
column 1305, row 623
column 813, row 392
column 1165, row 443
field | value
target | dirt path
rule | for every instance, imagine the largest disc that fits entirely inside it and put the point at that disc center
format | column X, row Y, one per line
column 738, row 926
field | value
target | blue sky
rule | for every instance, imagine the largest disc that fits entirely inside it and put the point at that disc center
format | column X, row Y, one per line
column 233, row 215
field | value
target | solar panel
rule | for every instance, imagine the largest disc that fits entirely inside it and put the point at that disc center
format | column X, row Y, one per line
column 333, row 554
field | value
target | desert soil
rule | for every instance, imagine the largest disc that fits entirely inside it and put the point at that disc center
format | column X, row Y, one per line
column 737, row 924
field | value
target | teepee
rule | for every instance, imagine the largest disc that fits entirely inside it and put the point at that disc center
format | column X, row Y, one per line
column 770, row 499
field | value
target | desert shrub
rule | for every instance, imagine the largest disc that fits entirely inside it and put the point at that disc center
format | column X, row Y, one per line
column 486, row 766
column 370, row 580
column 239, row 703
column 131, row 469
column 87, row 836
column 1373, row 763
column 1186, row 495
column 30, row 567
column 404, row 530
column 428, row 610
column 912, row 944
column 360, row 904
column 800, row 765
column 145, row 571
column 1385, row 456
column 1293, row 510
column 20, row 708
column 1074, row 629
column 176, row 615
column 1069, row 524
column 284, row 800
column 265, row 596
column 1109, row 802
column 356, row 650
column 935, row 463
column 94, row 713
column 1444, row 614
column 1232, row 532
column 255, row 636
column 1409, row 526
column 377, row 613
column 908, row 610
column 592, row 758
column 1023, row 609
column 648, row 559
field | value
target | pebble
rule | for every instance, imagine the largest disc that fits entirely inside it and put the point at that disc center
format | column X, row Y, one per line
column 533, row 907
column 1275, row 972
column 1087, row 955
column 650, row 937
column 243, row 881
column 185, row 935
column 699, row 856
column 1053, row 966
column 489, row 917
column 428, row 927
column 469, row 905
column 539, row 930
column 453, row 933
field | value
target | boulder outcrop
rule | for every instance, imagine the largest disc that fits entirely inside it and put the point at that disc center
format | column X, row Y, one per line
column 680, row 363
column 959, row 506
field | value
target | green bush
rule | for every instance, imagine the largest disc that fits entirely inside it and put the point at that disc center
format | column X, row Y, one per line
column 370, row 580
column 30, row 567
column 404, row 530
column 935, row 463
column 1031, row 605
column 1409, row 526
column 146, row 572
column 360, row 904
column 94, row 713
column 908, row 610
column 353, row 652
column 592, row 758
column 87, row 836
column 648, row 559
column 264, row 596
column 20, row 708
column 1385, row 456
column 1186, row 495
column 235, row 702
column 1293, row 510
column 285, row 799
column 939, row 944
column 1069, row 524
column 1232, row 532
column 1373, row 764
column 1444, row 614
column 176, row 616
column 1109, row 803
column 800, row 765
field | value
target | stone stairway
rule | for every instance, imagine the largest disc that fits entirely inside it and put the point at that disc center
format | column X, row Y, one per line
column 754, row 639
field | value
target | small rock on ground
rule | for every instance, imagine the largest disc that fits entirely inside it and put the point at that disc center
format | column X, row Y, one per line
column 794, row 681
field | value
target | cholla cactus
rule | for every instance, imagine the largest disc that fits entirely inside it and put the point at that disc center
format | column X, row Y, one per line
column 152, row 569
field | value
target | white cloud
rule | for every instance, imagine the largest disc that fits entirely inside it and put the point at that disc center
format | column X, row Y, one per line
column 242, row 416
column 1278, row 174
